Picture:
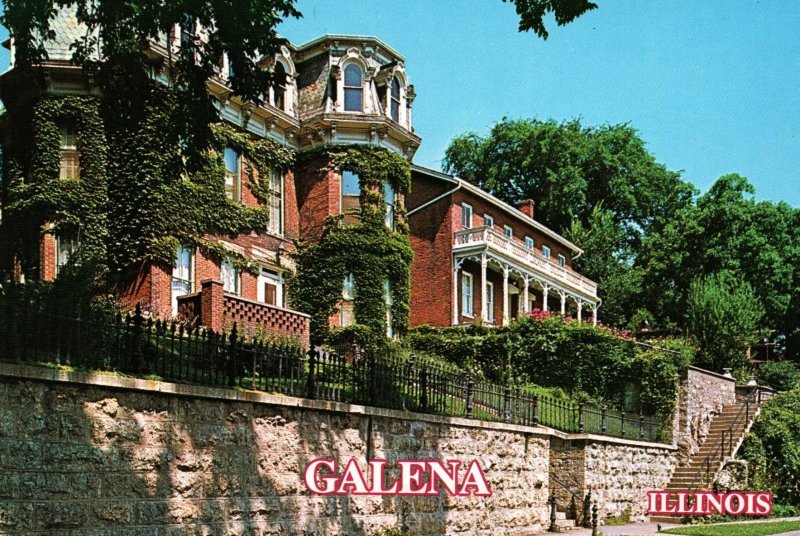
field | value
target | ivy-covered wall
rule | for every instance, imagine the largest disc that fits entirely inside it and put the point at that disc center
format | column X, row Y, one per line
column 368, row 249
column 139, row 195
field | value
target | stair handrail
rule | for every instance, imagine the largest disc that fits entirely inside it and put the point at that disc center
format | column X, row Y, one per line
column 586, row 502
column 720, row 450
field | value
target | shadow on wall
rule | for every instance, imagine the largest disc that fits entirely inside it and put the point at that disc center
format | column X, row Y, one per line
column 89, row 460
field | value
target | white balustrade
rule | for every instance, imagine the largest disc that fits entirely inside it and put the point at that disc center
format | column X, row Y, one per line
column 529, row 258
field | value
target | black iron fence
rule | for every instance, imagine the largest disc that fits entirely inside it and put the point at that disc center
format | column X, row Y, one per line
column 140, row 346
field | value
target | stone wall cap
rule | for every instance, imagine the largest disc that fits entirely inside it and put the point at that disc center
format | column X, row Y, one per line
column 710, row 373
column 620, row 441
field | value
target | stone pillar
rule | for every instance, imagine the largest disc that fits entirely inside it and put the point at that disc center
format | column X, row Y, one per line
column 580, row 310
column 506, row 314
column 594, row 314
column 212, row 304
column 563, row 302
column 525, row 297
column 484, row 308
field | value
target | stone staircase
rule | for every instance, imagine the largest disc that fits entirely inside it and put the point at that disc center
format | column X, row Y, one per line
column 724, row 438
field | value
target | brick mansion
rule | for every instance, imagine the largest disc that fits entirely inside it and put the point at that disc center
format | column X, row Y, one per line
column 475, row 257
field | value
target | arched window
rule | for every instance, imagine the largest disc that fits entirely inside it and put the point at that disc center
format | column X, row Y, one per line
column 395, row 99
column 353, row 88
column 280, row 86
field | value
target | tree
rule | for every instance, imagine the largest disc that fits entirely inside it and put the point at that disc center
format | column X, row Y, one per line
column 724, row 317
column 597, row 185
column 532, row 13
column 726, row 230
column 117, row 34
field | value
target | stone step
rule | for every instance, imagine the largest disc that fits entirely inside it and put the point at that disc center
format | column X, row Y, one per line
column 666, row 519
column 565, row 523
column 561, row 515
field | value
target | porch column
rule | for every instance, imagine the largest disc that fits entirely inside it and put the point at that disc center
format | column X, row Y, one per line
column 484, row 308
column 580, row 310
column 525, row 301
column 594, row 313
column 563, row 302
column 505, row 296
column 545, row 293
column 456, row 266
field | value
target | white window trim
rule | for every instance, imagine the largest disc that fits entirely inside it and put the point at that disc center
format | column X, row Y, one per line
column 562, row 260
column 467, row 207
column 467, row 308
column 237, row 182
column 238, row 282
column 275, row 276
column 281, row 208
column 508, row 231
column 490, row 218
column 364, row 85
column 546, row 251
column 531, row 241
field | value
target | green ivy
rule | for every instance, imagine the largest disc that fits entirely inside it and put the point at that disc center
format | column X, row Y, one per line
column 369, row 250
column 139, row 196
column 76, row 206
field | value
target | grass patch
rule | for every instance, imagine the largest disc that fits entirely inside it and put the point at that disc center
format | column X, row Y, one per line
column 738, row 529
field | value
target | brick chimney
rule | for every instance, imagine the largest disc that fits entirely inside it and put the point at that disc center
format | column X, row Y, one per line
column 526, row 207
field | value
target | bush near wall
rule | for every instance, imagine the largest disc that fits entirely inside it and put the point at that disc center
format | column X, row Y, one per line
column 547, row 350
column 772, row 448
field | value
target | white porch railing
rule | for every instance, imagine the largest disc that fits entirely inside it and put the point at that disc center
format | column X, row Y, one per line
column 510, row 248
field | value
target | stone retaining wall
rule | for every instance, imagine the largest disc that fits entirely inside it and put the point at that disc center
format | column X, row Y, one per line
column 703, row 393
column 89, row 459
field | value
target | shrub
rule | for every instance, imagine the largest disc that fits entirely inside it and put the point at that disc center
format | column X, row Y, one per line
column 772, row 448
column 780, row 375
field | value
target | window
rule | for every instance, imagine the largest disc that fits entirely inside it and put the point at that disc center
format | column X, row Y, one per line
column 389, row 200
column 233, row 176
column 280, row 86
column 490, row 302
column 546, row 251
column 395, row 99
column 351, row 190
column 275, row 225
column 270, row 288
column 387, row 298
column 488, row 221
column 67, row 245
column 562, row 260
column 230, row 277
column 508, row 231
column 70, row 158
column 353, row 88
column 182, row 276
column 529, row 242
column 466, row 216
column 466, row 294
column 346, row 310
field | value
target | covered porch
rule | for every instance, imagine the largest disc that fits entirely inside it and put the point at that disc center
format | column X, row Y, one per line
column 493, row 289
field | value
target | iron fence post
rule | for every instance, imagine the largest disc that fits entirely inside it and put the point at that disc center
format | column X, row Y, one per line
column 535, row 409
column 641, row 426
column 470, row 386
column 594, row 520
column 506, row 403
column 603, row 426
column 587, row 505
column 232, row 358
column 136, row 344
column 622, row 423
column 581, row 423
column 311, row 384
column 552, row 501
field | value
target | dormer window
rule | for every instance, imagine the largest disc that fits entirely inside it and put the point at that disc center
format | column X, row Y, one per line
column 280, row 86
column 395, row 99
column 353, row 88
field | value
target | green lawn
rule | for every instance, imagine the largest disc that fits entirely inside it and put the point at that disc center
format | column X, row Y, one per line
column 738, row 529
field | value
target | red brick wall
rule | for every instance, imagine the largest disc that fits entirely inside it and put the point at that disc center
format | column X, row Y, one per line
column 318, row 196
column 47, row 256
column 258, row 319
column 152, row 289
column 431, row 269
column 501, row 217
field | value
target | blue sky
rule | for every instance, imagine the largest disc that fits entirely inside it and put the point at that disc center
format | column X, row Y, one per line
column 713, row 87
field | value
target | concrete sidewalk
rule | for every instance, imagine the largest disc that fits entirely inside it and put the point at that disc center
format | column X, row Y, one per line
column 632, row 529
